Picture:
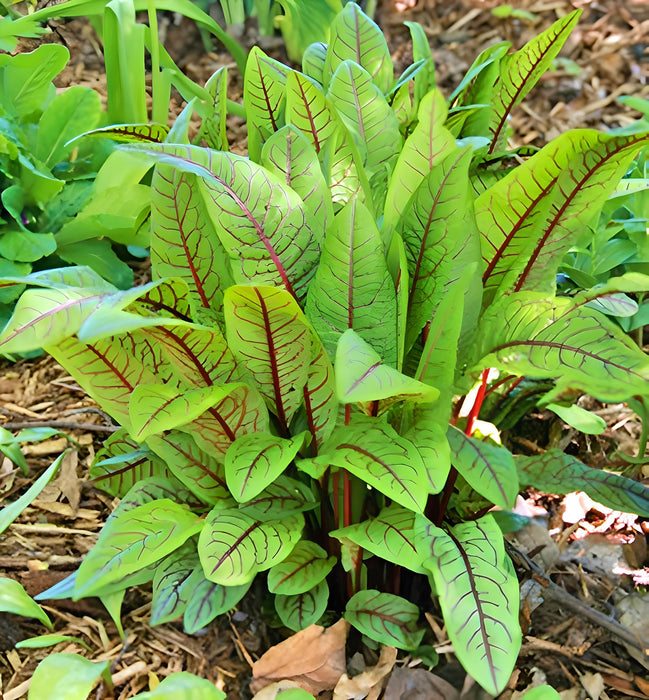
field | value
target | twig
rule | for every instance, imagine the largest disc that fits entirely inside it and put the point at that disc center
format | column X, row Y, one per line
column 552, row 591
column 62, row 424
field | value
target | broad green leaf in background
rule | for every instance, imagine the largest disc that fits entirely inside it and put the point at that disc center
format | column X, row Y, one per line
column 361, row 376
column 24, row 246
column 268, row 334
column 352, row 286
column 556, row 472
column 303, row 609
column 390, row 535
column 375, row 453
column 14, row 599
column 208, row 601
column 181, row 686
column 303, row 24
column 12, row 510
column 233, row 547
column 355, row 37
column 141, row 537
column 542, row 692
column 385, row 618
column 305, row 567
column 579, row 418
column 255, row 460
column 489, row 469
column 264, row 96
column 478, row 593
column 67, row 677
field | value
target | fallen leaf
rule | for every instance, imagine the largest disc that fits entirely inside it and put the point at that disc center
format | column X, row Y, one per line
column 47, row 447
column 416, row 683
column 359, row 686
column 69, row 481
column 314, row 658
column 593, row 684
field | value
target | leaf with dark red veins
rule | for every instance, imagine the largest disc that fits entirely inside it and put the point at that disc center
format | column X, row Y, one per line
column 520, row 71
column 261, row 222
column 488, row 468
column 264, row 95
column 152, row 489
column 255, row 460
column 352, row 286
column 183, row 240
column 305, row 567
column 201, row 473
column 528, row 334
column 313, row 61
column 367, row 116
column 299, row 611
column 173, row 584
column 375, row 453
column 429, row 143
column 355, row 37
column 389, row 535
column 529, row 219
column 131, row 133
column 209, row 600
column 439, row 233
column 169, row 298
column 292, row 157
column 429, row 438
column 233, row 547
column 242, row 411
column 213, row 119
column 385, row 618
column 127, row 544
column 284, row 497
column 478, row 593
column 271, row 339
column 122, row 462
column 559, row 473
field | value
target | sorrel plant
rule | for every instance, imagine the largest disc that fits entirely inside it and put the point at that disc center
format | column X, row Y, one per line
column 300, row 384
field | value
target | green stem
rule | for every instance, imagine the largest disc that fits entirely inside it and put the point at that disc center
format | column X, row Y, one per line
column 159, row 110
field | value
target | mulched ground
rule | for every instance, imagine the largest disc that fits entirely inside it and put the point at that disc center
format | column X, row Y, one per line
column 595, row 559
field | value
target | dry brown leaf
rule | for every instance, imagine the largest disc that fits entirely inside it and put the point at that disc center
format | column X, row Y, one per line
column 313, row 658
column 416, row 683
column 69, row 481
column 359, row 686
column 593, row 684
column 47, row 447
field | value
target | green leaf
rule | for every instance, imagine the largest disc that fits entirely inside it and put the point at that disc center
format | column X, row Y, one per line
column 255, row 460
column 282, row 498
column 49, row 640
column 264, row 96
column 12, row 510
column 488, row 468
column 14, row 599
column 528, row 334
column 376, row 454
column 429, row 438
column 201, row 473
column 305, row 567
column 361, row 376
column 352, row 285
column 142, row 536
column 24, row 246
column 390, row 535
column 67, row 676
column 385, row 618
column 542, row 692
column 303, row 609
column 303, row 24
column 579, row 418
column 213, row 117
column 367, row 116
column 182, row 685
column 478, row 593
column 313, row 61
column 355, row 37
column 173, row 583
column 268, row 333
column 233, row 547
column 130, row 133
column 556, row 472
column 208, row 601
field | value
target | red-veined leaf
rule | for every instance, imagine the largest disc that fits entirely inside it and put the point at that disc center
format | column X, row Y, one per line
column 305, row 567
column 303, row 609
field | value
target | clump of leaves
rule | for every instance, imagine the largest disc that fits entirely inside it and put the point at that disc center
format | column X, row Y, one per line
column 290, row 384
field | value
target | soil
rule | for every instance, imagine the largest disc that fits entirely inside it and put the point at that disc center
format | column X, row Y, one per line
column 568, row 641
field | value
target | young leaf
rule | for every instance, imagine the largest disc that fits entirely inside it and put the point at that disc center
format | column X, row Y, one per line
column 213, row 118
column 489, row 469
column 209, row 600
column 268, row 333
column 376, row 454
column 478, row 593
column 14, row 599
column 305, row 567
column 255, row 460
column 141, row 537
column 355, row 37
column 303, row 609
column 66, row 676
column 385, row 618
column 390, row 535
column 233, row 547
column 49, row 640
column 352, row 285
column 556, row 472
column 313, row 61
